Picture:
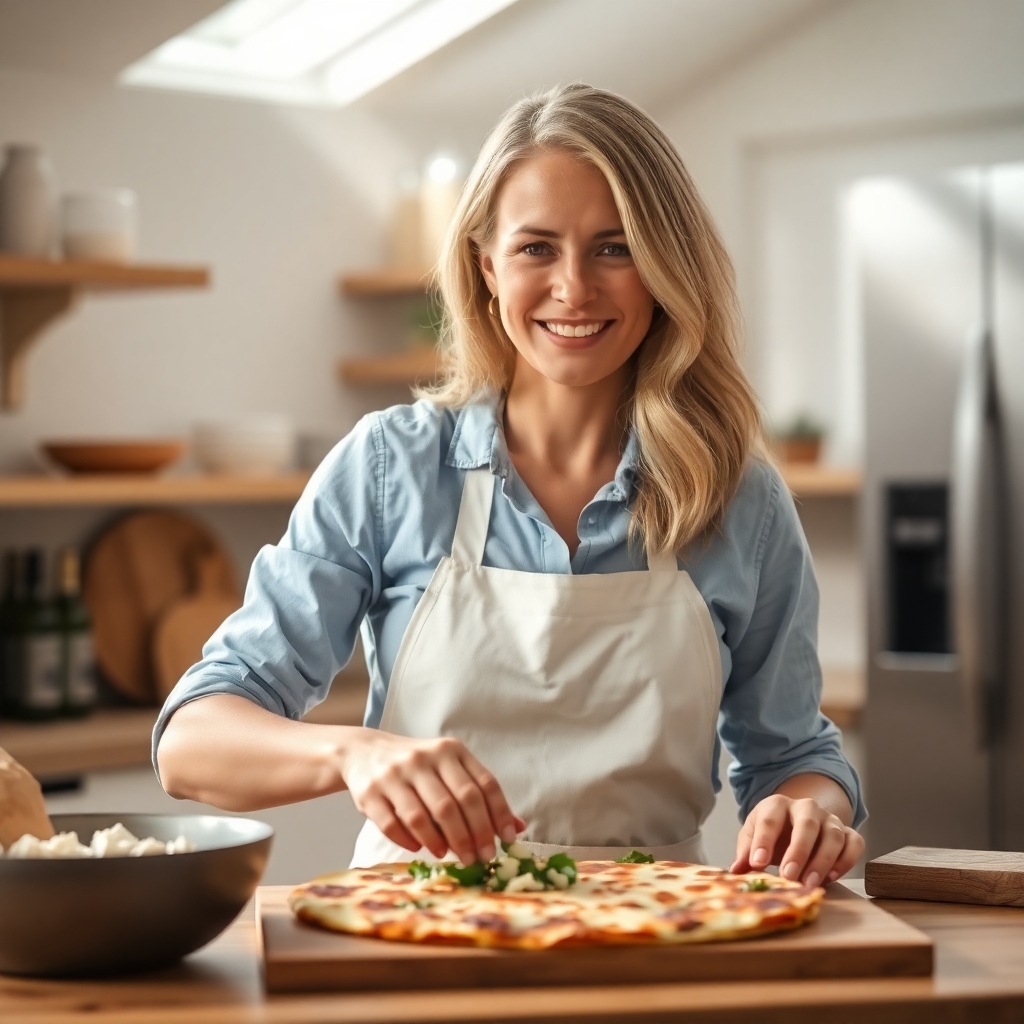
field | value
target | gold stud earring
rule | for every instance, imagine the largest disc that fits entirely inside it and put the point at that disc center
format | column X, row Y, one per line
column 490, row 305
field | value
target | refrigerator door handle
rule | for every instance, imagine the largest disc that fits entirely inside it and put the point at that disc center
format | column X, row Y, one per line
column 973, row 434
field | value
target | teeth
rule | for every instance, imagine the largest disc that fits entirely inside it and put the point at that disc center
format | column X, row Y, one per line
column 575, row 331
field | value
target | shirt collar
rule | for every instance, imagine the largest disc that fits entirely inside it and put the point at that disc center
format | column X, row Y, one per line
column 480, row 441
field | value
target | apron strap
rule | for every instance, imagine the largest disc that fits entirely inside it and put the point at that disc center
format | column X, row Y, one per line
column 662, row 563
column 474, row 517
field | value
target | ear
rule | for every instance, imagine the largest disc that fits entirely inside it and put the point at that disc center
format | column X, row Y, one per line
column 486, row 264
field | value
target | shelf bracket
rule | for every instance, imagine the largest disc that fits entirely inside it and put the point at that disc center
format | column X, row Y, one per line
column 24, row 312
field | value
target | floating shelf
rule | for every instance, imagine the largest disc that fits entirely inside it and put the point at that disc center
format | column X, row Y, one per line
column 809, row 480
column 121, row 737
column 131, row 489
column 416, row 365
column 385, row 281
column 35, row 292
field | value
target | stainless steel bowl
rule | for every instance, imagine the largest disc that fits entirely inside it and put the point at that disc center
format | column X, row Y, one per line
column 62, row 918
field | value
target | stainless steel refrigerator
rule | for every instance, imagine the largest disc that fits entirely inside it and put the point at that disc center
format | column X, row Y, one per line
column 940, row 270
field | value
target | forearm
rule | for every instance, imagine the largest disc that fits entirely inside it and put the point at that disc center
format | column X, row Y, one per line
column 226, row 751
column 824, row 791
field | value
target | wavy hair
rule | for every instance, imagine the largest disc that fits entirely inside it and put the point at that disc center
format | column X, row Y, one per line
column 695, row 414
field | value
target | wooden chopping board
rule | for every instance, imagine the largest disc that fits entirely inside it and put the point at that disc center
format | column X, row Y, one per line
column 134, row 572
column 189, row 622
column 852, row 938
column 988, row 877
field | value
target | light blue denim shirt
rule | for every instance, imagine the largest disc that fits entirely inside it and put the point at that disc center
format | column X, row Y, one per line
column 379, row 514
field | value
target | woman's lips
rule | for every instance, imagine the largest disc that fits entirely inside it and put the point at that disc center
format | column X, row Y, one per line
column 571, row 341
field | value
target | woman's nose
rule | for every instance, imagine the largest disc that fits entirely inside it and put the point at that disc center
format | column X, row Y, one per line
column 573, row 283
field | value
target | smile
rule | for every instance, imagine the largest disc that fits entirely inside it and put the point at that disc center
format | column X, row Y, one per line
column 583, row 329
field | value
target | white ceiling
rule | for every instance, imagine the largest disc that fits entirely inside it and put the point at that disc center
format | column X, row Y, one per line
column 96, row 38
column 648, row 50
column 643, row 48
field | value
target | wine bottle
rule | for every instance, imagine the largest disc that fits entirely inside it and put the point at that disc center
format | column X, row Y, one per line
column 39, row 693
column 78, row 665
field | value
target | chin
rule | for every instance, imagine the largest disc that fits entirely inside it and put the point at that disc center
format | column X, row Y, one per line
column 579, row 376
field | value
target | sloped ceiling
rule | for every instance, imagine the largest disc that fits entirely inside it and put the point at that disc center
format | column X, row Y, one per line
column 648, row 50
column 96, row 38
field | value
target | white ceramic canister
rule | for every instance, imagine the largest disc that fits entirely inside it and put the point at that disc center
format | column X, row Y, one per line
column 28, row 202
column 100, row 224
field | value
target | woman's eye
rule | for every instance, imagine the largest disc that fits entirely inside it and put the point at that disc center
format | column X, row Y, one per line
column 616, row 249
column 535, row 249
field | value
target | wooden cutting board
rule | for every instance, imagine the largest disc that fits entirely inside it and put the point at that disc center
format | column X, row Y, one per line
column 134, row 572
column 184, row 628
column 852, row 938
column 988, row 877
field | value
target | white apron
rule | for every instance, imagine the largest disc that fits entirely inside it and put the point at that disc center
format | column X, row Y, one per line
column 593, row 699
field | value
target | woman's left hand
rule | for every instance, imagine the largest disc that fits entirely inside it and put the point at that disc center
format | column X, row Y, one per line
column 806, row 840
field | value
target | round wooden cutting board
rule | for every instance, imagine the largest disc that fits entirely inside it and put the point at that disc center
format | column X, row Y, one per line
column 186, row 626
column 134, row 573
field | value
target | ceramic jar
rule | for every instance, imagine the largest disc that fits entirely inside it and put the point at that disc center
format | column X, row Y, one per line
column 101, row 224
column 28, row 202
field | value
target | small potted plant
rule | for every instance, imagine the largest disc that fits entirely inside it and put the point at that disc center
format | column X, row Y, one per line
column 801, row 440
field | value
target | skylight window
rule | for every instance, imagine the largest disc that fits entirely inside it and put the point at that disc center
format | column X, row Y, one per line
column 316, row 52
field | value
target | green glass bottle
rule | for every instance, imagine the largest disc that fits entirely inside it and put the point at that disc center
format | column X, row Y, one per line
column 39, row 693
column 77, row 659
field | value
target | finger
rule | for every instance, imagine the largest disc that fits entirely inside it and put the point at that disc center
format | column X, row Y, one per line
column 830, row 846
column 520, row 824
column 804, row 833
column 415, row 817
column 772, row 822
column 472, row 805
column 382, row 814
column 852, row 852
column 742, row 862
column 503, row 821
column 443, row 807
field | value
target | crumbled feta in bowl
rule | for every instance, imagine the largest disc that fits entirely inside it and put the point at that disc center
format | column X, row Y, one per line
column 115, row 841
column 121, row 903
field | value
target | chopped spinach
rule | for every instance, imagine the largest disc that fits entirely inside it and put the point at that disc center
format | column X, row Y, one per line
column 635, row 857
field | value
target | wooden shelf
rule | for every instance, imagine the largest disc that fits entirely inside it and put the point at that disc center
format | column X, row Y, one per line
column 809, row 480
column 28, row 272
column 385, row 281
column 417, row 364
column 35, row 292
column 120, row 737
column 130, row 489
column 843, row 695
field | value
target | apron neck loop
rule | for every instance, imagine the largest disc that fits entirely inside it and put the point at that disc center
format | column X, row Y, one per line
column 662, row 563
column 474, row 517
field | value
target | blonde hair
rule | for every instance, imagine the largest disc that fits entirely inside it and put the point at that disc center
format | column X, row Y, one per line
column 694, row 412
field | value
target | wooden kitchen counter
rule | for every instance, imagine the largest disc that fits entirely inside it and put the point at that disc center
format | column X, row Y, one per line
column 120, row 737
column 979, row 977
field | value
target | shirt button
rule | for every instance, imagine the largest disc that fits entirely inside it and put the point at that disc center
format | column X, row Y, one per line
column 591, row 519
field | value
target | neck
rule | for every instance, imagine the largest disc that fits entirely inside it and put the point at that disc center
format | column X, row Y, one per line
column 573, row 430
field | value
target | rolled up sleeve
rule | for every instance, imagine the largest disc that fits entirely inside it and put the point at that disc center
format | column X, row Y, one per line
column 306, row 596
column 770, row 719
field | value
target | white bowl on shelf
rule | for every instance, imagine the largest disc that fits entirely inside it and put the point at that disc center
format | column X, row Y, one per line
column 252, row 446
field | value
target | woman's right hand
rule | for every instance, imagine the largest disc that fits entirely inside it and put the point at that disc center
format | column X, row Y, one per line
column 429, row 793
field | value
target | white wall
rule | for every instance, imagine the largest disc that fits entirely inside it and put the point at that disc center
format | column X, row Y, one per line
column 276, row 200
column 878, row 86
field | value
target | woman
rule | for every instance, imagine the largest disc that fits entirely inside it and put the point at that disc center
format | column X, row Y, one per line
column 570, row 566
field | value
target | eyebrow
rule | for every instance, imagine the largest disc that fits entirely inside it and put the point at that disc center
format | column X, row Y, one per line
column 526, row 229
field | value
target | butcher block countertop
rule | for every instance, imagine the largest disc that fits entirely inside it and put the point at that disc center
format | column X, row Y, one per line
column 120, row 737
column 979, row 977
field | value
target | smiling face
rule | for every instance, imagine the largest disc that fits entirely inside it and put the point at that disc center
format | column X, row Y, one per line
column 570, row 295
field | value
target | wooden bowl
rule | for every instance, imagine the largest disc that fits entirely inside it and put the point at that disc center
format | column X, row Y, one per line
column 115, row 456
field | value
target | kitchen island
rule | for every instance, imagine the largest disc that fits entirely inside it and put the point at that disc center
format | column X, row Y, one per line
column 979, row 976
